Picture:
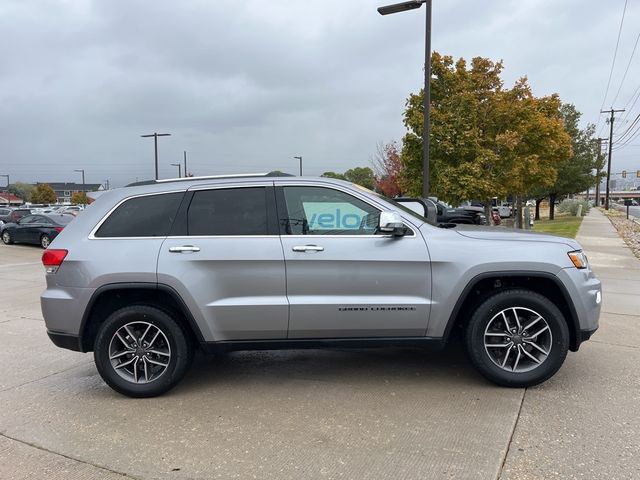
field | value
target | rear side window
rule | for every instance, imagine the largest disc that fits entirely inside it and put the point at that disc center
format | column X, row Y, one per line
column 228, row 211
column 148, row 216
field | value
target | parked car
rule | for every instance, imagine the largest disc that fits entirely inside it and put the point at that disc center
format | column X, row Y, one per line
column 37, row 229
column 149, row 273
column 446, row 214
column 5, row 215
column 17, row 213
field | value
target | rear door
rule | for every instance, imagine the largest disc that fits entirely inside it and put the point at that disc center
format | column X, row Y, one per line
column 344, row 279
column 225, row 259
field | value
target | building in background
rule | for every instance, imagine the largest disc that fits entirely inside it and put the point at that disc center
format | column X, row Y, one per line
column 9, row 199
column 64, row 191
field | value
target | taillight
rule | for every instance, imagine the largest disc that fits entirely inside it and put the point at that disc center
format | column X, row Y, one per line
column 58, row 229
column 52, row 259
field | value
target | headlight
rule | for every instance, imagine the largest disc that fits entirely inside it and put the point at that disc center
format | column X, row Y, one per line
column 579, row 259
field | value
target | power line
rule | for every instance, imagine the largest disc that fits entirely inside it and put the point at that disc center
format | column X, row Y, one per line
column 613, row 63
column 611, row 120
column 635, row 45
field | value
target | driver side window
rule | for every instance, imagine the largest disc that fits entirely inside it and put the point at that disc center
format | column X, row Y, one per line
column 324, row 211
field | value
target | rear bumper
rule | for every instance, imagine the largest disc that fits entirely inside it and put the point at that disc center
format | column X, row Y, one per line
column 65, row 340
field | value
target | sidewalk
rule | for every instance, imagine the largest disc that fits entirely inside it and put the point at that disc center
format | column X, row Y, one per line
column 584, row 422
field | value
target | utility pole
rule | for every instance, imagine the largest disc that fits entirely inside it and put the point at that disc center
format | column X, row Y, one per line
column 179, row 169
column 300, row 158
column 155, row 136
column 598, row 173
column 611, row 120
column 185, row 163
column 106, row 184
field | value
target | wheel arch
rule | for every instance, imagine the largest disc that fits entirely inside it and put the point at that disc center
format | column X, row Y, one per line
column 108, row 298
column 483, row 285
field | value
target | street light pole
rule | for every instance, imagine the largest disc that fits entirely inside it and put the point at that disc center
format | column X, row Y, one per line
column 179, row 169
column 81, row 170
column 426, row 128
column 155, row 136
column 185, row 163
column 300, row 158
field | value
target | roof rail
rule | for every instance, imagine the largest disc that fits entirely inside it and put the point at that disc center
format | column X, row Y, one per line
column 210, row 177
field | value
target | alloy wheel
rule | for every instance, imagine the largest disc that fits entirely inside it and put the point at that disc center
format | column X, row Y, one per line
column 139, row 352
column 518, row 339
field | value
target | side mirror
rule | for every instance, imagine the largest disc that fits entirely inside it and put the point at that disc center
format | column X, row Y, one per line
column 391, row 222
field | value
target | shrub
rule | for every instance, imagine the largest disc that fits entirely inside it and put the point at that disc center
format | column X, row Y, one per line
column 571, row 206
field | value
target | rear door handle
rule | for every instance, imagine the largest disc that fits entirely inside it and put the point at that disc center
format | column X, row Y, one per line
column 184, row 248
column 308, row 248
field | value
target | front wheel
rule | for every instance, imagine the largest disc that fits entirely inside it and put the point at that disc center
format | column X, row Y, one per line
column 141, row 351
column 517, row 338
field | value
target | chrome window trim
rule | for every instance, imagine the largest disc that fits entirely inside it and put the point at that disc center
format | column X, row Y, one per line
column 354, row 193
column 92, row 235
column 260, row 184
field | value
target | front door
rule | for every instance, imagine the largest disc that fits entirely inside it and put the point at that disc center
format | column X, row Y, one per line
column 343, row 279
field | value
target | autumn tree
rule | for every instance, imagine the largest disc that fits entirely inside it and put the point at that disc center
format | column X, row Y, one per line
column 43, row 193
column 486, row 141
column 388, row 169
column 79, row 198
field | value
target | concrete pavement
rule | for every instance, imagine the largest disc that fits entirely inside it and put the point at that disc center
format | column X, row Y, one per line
column 388, row 413
column 583, row 423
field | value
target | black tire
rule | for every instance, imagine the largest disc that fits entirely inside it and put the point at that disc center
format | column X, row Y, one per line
column 6, row 238
column 490, row 311
column 173, row 339
column 45, row 241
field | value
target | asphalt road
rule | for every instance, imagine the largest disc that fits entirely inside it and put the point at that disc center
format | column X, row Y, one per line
column 387, row 413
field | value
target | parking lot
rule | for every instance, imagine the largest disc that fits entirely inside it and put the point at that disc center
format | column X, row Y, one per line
column 386, row 413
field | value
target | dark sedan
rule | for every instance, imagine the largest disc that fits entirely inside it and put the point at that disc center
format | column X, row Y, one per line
column 36, row 229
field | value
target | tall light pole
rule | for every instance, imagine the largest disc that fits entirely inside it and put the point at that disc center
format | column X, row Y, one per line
column 8, row 200
column 185, row 163
column 155, row 136
column 403, row 7
column 300, row 158
column 179, row 169
column 81, row 170
column 612, row 119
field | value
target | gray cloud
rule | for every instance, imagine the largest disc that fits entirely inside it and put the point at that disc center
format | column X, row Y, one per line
column 244, row 86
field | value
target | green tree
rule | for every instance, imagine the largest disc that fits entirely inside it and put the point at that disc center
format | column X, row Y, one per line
column 362, row 176
column 43, row 193
column 575, row 173
column 79, row 198
column 22, row 190
column 338, row 176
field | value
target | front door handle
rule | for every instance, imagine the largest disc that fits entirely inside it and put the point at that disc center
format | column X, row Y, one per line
column 184, row 248
column 308, row 248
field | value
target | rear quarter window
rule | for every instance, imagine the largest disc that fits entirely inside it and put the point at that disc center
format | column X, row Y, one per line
column 147, row 216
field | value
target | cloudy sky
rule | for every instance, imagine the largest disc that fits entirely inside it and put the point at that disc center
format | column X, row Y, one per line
column 245, row 85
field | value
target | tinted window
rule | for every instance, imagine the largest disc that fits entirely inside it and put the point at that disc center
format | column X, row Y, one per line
column 228, row 211
column 59, row 219
column 148, row 216
column 324, row 211
column 28, row 219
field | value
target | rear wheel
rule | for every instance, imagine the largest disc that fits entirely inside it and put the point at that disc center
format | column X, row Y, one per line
column 45, row 241
column 141, row 351
column 517, row 338
column 6, row 238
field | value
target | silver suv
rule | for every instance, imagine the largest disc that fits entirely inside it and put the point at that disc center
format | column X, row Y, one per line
column 149, row 273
